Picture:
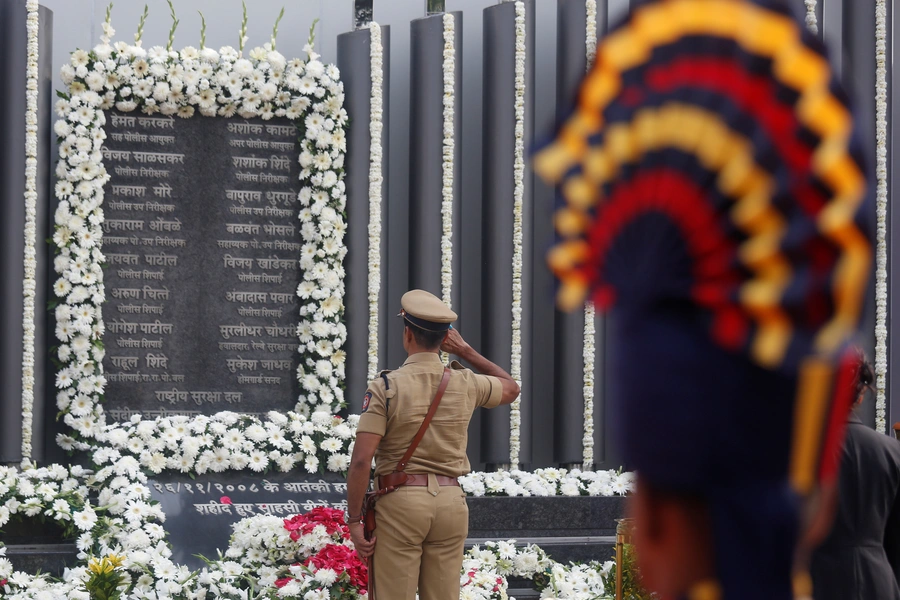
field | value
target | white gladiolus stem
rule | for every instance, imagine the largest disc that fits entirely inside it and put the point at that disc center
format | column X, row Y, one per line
column 30, row 264
column 376, row 179
column 590, row 40
column 811, row 19
column 515, row 416
column 448, row 152
column 881, row 202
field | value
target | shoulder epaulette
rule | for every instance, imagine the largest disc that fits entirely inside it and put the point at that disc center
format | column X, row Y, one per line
column 383, row 376
column 388, row 392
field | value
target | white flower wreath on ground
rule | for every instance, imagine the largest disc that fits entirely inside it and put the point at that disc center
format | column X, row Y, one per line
column 120, row 520
column 227, row 441
column 107, row 512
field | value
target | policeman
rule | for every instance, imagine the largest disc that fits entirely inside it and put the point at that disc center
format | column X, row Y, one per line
column 421, row 527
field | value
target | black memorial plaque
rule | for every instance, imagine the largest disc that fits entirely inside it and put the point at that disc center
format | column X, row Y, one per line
column 201, row 237
column 200, row 512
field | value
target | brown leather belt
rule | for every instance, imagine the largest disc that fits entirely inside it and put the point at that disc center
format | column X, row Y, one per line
column 421, row 480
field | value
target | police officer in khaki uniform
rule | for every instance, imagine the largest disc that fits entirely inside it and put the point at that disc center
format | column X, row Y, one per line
column 421, row 527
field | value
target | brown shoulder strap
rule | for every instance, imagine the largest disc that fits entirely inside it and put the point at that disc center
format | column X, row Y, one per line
column 424, row 427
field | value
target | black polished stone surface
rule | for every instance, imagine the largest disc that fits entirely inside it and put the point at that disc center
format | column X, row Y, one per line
column 503, row 518
column 42, row 558
column 201, row 237
column 200, row 512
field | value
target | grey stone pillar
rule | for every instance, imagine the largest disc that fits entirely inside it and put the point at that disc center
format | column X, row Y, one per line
column 13, row 49
column 426, row 138
column 616, row 11
column 355, row 65
column 832, row 26
column 569, row 331
column 499, row 183
column 893, row 224
column 44, row 440
column 859, row 76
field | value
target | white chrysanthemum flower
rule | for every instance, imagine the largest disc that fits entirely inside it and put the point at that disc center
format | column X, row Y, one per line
column 307, row 445
column 258, row 461
column 256, row 433
column 79, row 58
column 85, row 519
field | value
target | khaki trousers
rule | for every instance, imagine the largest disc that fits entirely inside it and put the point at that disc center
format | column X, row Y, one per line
column 420, row 533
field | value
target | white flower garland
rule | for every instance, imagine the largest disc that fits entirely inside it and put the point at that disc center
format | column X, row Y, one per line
column 376, row 178
column 588, row 354
column 448, row 153
column 448, row 150
column 811, row 19
column 129, row 78
column 515, row 415
column 548, row 482
column 30, row 262
column 589, row 347
column 881, row 202
column 590, row 41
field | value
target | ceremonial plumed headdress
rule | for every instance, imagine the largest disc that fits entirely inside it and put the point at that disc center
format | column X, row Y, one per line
column 711, row 199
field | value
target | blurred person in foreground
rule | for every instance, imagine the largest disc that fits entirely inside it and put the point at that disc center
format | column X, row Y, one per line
column 713, row 201
column 860, row 559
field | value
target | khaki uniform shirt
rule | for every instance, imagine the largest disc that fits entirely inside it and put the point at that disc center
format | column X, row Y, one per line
column 397, row 413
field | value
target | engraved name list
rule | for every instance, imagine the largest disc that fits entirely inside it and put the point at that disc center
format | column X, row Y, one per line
column 202, row 240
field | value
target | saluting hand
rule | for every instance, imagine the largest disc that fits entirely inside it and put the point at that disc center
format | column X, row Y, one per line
column 364, row 547
column 455, row 344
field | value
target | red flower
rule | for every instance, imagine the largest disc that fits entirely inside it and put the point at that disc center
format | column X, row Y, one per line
column 3, row 581
column 341, row 559
column 332, row 519
column 280, row 583
column 225, row 500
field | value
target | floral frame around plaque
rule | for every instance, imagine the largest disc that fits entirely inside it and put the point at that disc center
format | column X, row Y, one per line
column 182, row 83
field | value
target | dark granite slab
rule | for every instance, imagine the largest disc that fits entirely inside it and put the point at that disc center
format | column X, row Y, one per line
column 200, row 512
column 42, row 558
column 581, row 516
column 202, row 245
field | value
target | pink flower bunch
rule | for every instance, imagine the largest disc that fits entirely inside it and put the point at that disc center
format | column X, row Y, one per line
column 330, row 518
column 341, row 559
column 335, row 569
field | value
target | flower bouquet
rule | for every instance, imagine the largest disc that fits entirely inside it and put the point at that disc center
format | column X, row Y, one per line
column 307, row 556
column 267, row 540
column 334, row 573
column 481, row 583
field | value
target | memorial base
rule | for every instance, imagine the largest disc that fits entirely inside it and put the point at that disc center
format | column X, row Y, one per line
column 576, row 529
column 52, row 559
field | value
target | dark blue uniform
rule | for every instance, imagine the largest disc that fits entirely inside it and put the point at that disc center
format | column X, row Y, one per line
column 860, row 560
